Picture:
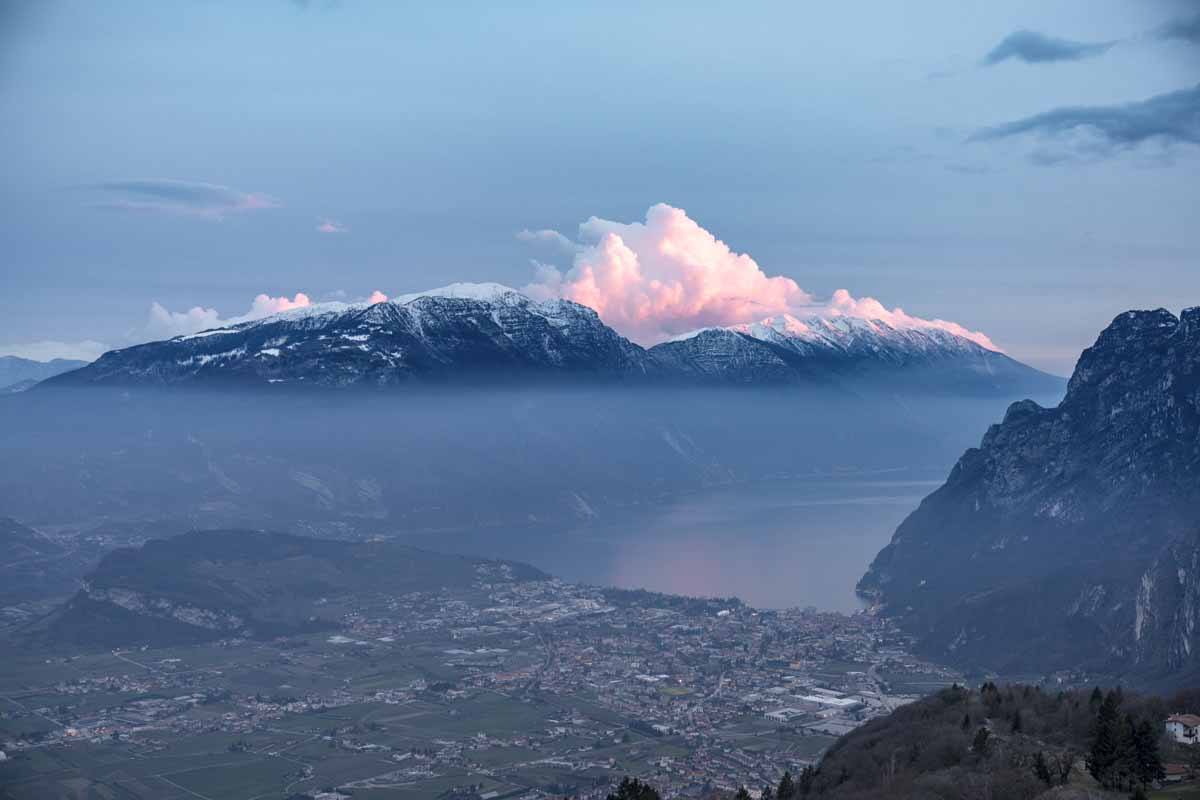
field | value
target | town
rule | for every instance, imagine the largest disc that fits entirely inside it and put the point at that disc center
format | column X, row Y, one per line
column 508, row 688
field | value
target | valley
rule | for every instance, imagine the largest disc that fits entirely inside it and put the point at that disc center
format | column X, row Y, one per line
column 497, row 681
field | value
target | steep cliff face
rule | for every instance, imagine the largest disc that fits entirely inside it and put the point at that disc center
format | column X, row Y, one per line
column 1071, row 536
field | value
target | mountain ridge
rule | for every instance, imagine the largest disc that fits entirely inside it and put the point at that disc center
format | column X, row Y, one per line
column 489, row 333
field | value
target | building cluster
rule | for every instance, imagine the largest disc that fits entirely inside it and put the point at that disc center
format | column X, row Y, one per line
column 693, row 694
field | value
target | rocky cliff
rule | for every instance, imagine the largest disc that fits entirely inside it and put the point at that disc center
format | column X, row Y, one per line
column 1071, row 536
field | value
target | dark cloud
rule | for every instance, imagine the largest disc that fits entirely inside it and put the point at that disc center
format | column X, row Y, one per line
column 1100, row 131
column 1186, row 29
column 1038, row 48
column 182, row 197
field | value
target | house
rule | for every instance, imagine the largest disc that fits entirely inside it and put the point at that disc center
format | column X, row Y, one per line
column 1184, row 728
column 1174, row 773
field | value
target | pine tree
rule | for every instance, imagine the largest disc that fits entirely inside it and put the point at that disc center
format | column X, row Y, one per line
column 742, row 794
column 787, row 789
column 633, row 789
column 1103, row 759
column 1148, row 766
column 768, row 793
column 808, row 777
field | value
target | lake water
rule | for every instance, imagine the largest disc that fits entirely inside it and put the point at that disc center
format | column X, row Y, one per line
column 774, row 544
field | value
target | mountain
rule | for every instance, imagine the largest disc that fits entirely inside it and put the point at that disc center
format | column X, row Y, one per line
column 849, row 350
column 490, row 333
column 18, row 374
column 464, row 331
column 239, row 583
column 1070, row 538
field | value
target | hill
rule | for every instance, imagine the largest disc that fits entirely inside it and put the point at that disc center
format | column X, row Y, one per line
column 18, row 374
column 238, row 583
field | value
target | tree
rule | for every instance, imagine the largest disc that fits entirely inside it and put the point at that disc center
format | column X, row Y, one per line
column 742, row 794
column 787, row 789
column 1104, row 757
column 633, row 789
column 1062, row 764
column 1041, row 769
column 808, row 776
column 1147, row 765
column 980, row 744
column 768, row 793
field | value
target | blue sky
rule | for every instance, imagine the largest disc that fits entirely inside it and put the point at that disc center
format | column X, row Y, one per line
column 1027, row 169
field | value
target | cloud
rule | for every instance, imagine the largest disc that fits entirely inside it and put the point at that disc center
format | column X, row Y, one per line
column 665, row 276
column 48, row 350
column 1186, row 29
column 377, row 297
column 842, row 304
column 164, row 324
column 1038, row 48
column 184, row 198
column 1101, row 131
column 656, row 279
column 547, row 236
column 331, row 226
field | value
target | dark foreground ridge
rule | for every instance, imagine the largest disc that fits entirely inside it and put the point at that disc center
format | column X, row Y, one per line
column 1070, row 538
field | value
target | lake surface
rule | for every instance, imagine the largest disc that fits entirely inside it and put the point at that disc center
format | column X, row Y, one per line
column 774, row 544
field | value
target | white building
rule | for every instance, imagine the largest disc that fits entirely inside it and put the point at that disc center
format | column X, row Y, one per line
column 1184, row 728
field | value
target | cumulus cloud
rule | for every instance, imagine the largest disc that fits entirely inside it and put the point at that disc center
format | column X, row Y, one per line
column 1038, row 48
column 664, row 276
column 1100, row 131
column 186, row 198
column 843, row 304
column 547, row 236
column 331, row 226
column 163, row 323
column 667, row 275
column 48, row 350
column 1185, row 29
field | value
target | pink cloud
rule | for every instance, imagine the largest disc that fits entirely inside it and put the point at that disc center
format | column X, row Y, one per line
column 163, row 323
column 844, row 305
column 331, row 226
column 265, row 305
column 665, row 276
column 656, row 279
column 377, row 297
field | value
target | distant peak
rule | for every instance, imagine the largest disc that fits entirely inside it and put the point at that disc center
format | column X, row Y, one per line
column 463, row 291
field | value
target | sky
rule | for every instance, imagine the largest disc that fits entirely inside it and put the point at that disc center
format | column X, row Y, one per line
column 1025, row 170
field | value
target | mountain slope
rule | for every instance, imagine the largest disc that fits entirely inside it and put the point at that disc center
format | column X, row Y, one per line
column 212, row 584
column 489, row 333
column 464, row 331
column 18, row 374
column 849, row 350
column 1071, row 537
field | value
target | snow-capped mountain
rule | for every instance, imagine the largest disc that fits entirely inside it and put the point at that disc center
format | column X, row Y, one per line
column 464, row 330
column 786, row 348
column 491, row 332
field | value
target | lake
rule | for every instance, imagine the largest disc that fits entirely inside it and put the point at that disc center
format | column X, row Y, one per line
column 775, row 544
